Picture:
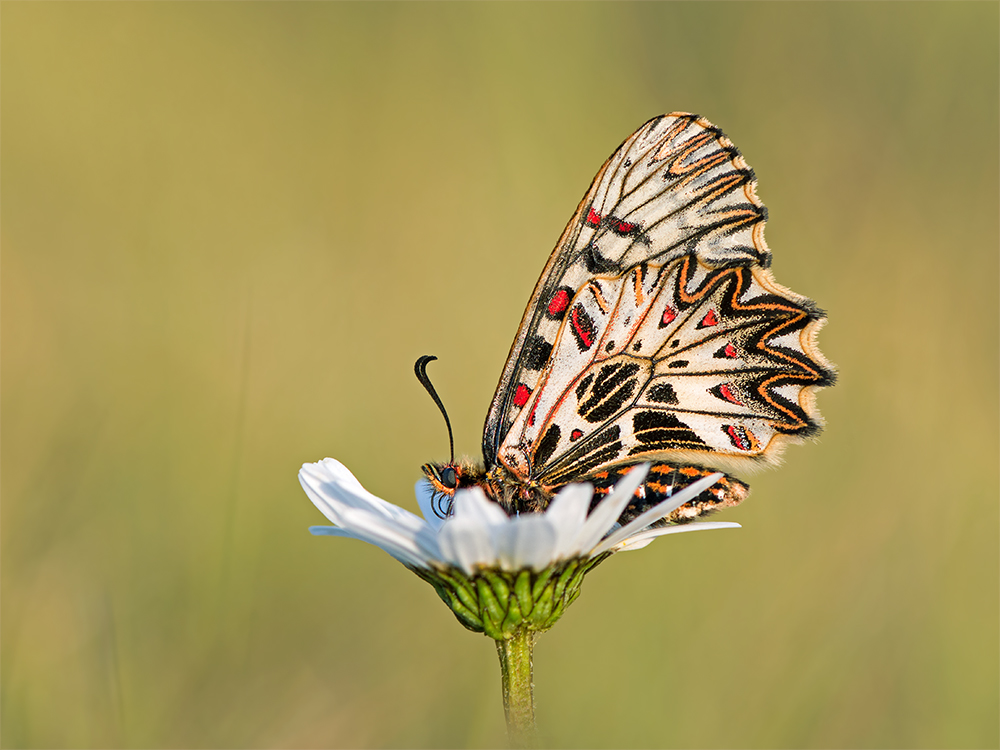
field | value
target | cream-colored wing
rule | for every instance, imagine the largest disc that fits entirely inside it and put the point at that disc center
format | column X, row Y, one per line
column 678, row 362
column 677, row 188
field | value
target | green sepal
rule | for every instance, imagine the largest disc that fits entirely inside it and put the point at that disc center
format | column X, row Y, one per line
column 464, row 615
column 462, row 588
column 514, row 617
column 564, row 579
column 493, row 612
column 573, row 595
column 467, row 596
column 522, row 590
column 501, row 603
column 493, row 630
column 543, row 607
column 500, row 587
column 541, row 580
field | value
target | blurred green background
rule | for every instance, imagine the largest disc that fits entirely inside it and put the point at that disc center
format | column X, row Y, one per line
column 228, row 231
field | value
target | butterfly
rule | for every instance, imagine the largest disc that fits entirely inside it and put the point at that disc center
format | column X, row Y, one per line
column 655, row 334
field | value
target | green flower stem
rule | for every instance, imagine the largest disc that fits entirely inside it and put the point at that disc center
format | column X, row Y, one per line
column 518, row 688
column 512, row 607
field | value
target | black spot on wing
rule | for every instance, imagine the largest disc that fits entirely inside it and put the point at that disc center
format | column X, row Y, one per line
column 662, row 393
column 662, row 430
column 547, row 445
column 536, row 353
column 596, row 450
column 597, row 263
column 613, row 387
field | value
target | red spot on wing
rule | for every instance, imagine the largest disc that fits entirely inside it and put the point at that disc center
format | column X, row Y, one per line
column 727, row 351
column 576, row 435
column 668, row 315
column 521, row 394
column 737, row 438
column 583, row 327
column 559, row 302
column 727, row 394
column 621, row 227
column 593, row 218
column 709, row 320
column 741, row 437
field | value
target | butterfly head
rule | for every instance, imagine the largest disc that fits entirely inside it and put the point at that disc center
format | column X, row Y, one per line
column 445, row 479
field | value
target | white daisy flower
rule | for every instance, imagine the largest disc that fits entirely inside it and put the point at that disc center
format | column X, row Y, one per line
column 499, row 574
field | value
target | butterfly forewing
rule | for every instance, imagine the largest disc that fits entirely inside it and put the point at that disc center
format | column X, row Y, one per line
column 655, row 332
column 677, row 187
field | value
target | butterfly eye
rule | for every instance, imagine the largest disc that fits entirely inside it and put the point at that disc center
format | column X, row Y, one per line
column 448, row 477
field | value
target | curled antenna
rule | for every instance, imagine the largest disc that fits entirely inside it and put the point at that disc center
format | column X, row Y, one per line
column 420, row 369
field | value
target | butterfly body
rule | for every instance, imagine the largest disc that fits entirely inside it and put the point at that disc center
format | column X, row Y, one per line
column 514, row 493
column 655, row 334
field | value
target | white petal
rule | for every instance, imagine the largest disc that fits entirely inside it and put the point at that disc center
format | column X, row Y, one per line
column 469, row 538
column 472, row 504
column 330, row 531
column 425, row 499
column 406, row 559
column 643, row 538
column 567, row 513
column 405, row 556
column 634, row 543
column 394, row 539
column 658, row 511
column 323, row 499
column 605, row 515
column 340, row 488
column 334, row 490
column 466, row 543
column 528, row 541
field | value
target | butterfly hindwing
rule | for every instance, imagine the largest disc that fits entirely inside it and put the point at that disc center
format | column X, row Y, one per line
column 662, row 482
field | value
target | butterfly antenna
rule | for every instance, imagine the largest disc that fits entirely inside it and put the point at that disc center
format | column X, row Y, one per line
column 420, row 369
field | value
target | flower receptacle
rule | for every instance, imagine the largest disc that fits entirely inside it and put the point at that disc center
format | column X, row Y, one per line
column 502, row 603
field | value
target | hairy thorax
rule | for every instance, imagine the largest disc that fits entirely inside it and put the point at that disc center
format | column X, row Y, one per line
column 511, row 492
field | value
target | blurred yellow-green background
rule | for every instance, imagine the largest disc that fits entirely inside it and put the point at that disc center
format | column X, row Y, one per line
column 229, row 229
